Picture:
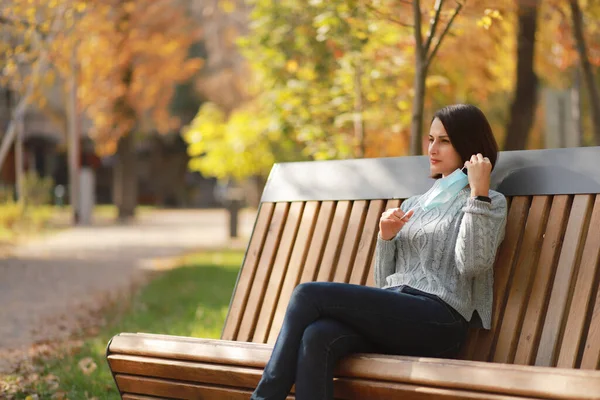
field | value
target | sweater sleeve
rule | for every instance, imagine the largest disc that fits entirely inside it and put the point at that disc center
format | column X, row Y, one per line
column 481, row 232
column 385, row 252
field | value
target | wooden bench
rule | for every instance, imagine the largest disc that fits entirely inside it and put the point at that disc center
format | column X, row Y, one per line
column 318, row 222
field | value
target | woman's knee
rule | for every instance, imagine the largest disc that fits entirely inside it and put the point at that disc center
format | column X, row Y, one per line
column 324, row 333
column 306, row 291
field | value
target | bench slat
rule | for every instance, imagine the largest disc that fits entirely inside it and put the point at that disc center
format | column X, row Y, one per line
column 351, row 238
column 127, row 396
column 507, row 254
column 334, row 241
column 370, row 275
column 278, row 272
column 364, row 389
column 189, row 371
column 179, row 390
column 248, row 378
column 366, row 244
column 523, row 272
column 317, row 244
column 591, row 352
column 563, row 281
column 584, row 288
column 295, row 267
column 507, row 379
column 544, row 274
column 263, row 271
column 246, row 276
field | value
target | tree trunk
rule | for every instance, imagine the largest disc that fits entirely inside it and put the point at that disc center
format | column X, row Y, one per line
column 522, row 109
column 125, row 178
column 577, row 106
column 416, row 125
column 359, row 124
column 588, row 74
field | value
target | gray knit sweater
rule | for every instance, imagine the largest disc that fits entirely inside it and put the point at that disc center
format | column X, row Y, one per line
column 448, row 251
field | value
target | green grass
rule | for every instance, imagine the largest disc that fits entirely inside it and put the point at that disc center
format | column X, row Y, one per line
column 191, row 300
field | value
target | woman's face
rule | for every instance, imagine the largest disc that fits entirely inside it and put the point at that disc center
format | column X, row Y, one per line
column 443, row 158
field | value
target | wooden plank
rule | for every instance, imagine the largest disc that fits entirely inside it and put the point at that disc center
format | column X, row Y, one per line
column 507, row 254
column 366, row 244
column 366, row 389
column 248, row 271
column 263, row 272
column 563, row 282
column 180, row 390
column 350, row 244
column 278, row 272
column 585, row 286
column 295, row 267
column 246, row 354
column 505, row 379
column 521, row 281
column 515, row 380
column 591, row 350
column 317, row 244
column 189, row 371
column 394, row 203
column 140, row 397
column 542, row 283
column 334, row 241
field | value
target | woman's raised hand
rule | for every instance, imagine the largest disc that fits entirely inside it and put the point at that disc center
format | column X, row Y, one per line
column 392, row 221
column 479, row 170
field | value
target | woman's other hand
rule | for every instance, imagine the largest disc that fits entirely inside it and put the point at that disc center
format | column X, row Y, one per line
column 392, row 221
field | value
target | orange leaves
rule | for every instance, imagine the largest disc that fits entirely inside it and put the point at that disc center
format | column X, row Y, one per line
column 131, row 57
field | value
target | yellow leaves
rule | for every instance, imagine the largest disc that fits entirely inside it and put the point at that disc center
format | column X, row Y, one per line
column 237, row 146
column 228, row 6
column 291, row 66
column 488, row 18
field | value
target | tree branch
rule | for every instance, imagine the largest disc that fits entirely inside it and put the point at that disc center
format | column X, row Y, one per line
column 459, row 6
column 433, row 24
column 387, row 17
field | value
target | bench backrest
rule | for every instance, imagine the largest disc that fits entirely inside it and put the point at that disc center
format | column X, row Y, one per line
column 318, row 221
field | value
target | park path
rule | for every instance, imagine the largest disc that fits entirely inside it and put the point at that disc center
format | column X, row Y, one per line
column 48, row 286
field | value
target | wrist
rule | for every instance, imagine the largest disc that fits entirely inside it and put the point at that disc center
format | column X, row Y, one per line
column 386, row 238
column 480, row 192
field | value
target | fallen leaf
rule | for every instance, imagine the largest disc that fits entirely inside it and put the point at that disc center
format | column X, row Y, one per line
column 87, row 365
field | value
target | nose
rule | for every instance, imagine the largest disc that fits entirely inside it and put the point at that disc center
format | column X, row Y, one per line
column 433, row 148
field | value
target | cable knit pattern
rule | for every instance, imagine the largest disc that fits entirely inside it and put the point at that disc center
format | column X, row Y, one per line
column 448, row 251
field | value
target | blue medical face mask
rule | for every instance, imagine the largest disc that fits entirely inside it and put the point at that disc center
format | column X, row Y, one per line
column 444, row 190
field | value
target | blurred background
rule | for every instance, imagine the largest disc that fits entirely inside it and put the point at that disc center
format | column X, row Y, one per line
column 135, row 131
column 188, row 103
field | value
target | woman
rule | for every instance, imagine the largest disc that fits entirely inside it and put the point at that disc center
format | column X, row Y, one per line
column 433, row 270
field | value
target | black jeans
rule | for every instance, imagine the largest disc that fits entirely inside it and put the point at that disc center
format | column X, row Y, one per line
column 326, row 321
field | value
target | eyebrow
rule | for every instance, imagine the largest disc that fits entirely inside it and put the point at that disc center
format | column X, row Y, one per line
column 440, row 137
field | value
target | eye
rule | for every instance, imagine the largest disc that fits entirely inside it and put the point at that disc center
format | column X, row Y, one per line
column 430, row 139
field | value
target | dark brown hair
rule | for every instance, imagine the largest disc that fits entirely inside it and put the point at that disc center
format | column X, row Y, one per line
column 469, row 131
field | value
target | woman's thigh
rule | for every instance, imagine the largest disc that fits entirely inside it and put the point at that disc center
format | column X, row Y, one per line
column 398, row 322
